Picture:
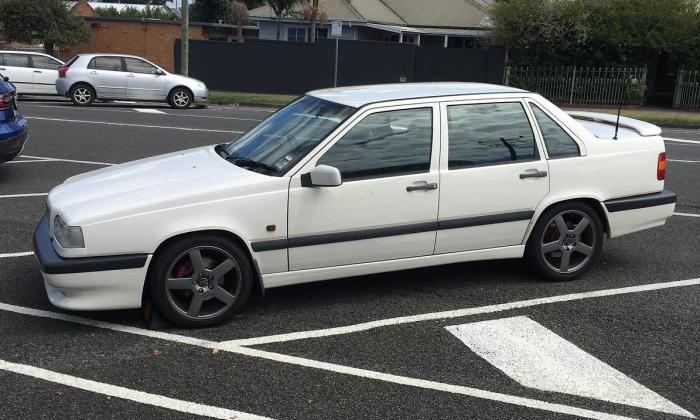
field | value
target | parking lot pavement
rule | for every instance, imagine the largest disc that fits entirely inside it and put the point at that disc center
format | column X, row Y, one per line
column 380, row 346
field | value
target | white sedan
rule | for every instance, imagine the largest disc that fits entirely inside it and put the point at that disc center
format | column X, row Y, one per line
column 353, row 181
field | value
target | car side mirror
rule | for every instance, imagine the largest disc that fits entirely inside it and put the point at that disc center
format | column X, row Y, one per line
column 6, row 79
column 322, row 176
column 160, row 72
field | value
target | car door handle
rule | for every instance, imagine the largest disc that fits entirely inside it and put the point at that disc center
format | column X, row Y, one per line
column 533, row 174
column 93, row 72
column 37, row 71
column 424, row 187
column 129, row 75
column 3, row 68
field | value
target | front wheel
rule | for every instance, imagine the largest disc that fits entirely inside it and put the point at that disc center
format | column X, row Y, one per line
column 201, row 281
column 565, row 242
column 180, row 98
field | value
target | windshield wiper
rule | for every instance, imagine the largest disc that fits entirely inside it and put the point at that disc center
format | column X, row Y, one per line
column 244, row 161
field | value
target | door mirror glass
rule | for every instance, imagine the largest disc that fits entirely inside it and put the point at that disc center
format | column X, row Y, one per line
column 160, row 72
column 322, row 176
column 6, row 79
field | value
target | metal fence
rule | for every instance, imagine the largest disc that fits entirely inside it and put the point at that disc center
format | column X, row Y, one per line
column 582, row 85
column 687, row 94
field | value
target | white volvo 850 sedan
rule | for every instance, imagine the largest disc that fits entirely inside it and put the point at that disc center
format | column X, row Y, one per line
column 353, row 181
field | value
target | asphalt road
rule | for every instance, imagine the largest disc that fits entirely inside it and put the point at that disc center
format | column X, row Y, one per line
column 378, row 346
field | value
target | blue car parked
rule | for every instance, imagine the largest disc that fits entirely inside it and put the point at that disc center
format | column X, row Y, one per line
column 13, row 126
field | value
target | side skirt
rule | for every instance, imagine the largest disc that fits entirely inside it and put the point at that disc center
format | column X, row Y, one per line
column 328, row 273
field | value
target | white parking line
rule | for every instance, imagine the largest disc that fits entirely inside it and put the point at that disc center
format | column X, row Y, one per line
column 686, row 214
column 683, row 161
column 682, row 140
column 50, row 159
column 16, row 254
column 23, row 195
column 455, row 313
column 149, row 111
column 330, row 367
column 131, row 111
column 126, row 393
column 134, row 125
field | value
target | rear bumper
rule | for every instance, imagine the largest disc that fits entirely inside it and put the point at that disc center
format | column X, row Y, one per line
column 89, row 283
column 632, row 214
column 12, row 143
column 62, row 86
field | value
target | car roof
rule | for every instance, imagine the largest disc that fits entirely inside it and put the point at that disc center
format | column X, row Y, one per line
column 25, row 52
column 357, row 96
column 110, row 55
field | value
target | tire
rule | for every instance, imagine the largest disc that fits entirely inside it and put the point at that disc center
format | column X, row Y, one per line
column 82, row 94
column 180, row 98
column 565, row 256
column 202, row 291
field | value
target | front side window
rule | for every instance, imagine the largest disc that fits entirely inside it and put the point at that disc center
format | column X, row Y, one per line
column 557, row 141
column 489, row 134
column 16, row 60
column 279, row 142
column 41, row 62
column 384, row 144
column 134, row 65
column 106, row 63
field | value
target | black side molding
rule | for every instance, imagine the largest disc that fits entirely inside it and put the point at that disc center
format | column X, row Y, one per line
column 382, row 232
column 641, row 201
column 52, row 263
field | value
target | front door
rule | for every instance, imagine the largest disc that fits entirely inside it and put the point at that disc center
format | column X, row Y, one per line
column 142, row 81
column 493, row 175
column 107, row 76
column 386, row 207
column 44, row 74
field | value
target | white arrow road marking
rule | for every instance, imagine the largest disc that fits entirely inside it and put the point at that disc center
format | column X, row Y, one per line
column 126, row 393
column 148, row 110
column 537, row 358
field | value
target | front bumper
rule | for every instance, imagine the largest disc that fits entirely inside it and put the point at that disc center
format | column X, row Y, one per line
column 200, row 95
column 89, row 283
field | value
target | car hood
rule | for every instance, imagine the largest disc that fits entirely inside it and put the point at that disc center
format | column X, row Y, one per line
column 157, row 183
column 184, row 80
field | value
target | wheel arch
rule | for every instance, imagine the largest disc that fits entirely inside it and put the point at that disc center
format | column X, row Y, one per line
column 259, row 287
column 594, row 203
column 170, row 92
column 82, row 82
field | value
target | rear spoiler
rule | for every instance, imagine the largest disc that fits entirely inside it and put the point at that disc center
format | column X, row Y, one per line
column 641, row 127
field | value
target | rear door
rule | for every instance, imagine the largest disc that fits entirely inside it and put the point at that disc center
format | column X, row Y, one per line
column 17, row 67
column 493, row 175
column 107, row 76
column 142, row 80
column 44, row 74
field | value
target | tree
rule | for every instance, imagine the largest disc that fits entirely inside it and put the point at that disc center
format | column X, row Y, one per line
column 46, row 21
column 211, row 11
column 281, row 9
column 313, row 13
column 239, row 15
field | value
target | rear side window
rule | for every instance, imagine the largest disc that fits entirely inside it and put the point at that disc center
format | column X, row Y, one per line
column 384, row 144
column 557, row 141
column 489, row 134
column 106, row 63
column 41, row 62
column 134, row 65
column 16, row 60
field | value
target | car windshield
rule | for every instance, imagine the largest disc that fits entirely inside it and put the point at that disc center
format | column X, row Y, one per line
column 279, row 142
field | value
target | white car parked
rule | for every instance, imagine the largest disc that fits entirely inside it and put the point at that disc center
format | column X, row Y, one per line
column 353, row 181
column 30, row 72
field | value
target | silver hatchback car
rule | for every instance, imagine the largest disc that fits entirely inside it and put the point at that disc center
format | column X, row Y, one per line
column 87, row 77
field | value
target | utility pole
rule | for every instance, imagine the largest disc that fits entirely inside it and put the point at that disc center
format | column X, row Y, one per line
column 185, row 38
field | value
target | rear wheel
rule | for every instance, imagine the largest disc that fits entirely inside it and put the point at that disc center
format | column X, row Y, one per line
column 566, row 241
column 82, row 95
column 201, row 281
column 180, row 98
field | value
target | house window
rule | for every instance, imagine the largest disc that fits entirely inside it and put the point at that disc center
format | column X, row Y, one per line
column 296, row 34
column 321, row 32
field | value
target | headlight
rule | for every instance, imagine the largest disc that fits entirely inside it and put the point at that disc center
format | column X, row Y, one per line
column 201, row 85
column 67, row 236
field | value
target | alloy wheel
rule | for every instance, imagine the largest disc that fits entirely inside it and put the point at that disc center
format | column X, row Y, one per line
column 568, row 241
column 82, row 95
column 181, row 99
column 203, row 282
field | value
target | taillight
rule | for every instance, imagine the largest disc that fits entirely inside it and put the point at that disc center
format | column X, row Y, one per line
column 6, row 100
column 661, row 167
column 62, row 71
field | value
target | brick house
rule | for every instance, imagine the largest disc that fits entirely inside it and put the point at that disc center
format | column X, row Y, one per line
column 151, row 39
